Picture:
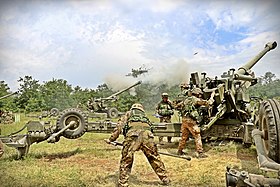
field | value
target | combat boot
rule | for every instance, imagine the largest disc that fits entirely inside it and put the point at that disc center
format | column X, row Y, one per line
column 160, row 140
column 165, row 181
column 180, row 152
column 201, row 155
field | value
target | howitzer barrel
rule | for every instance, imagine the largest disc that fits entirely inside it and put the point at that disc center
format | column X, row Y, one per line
column 8, row 95
column 123, row 90
column 269, row 46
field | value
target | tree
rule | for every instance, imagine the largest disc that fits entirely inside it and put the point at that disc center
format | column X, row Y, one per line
column 7, row 104
column 268, row 86
column 268, row 77
column 57, row 94
column 30, row 92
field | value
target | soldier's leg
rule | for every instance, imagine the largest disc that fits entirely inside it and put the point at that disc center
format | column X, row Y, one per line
column 150, row 150
column 160, row 140
column 195, row 131
column 169, row 138
column 168, row 120
column 1, row 148
column 185, row 134
column 126, row 162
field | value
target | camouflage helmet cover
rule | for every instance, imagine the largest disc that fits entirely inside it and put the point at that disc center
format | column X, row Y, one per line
column 164, row 95
column 137, row 106
column 197, row 91
column 184, row 85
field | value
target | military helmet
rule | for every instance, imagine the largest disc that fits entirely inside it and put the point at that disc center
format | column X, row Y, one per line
column 164, row 95
column 184, row 85
column 197, row 91
column 137, row 106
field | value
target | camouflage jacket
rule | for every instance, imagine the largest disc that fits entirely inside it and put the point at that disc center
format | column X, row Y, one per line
column 119, row 127
column 165, row 108
column 123, row 124
column 189, row 106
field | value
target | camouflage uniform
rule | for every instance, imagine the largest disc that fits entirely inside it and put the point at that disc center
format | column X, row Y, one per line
column 137, row 137
column 165, row 110
column 189, row 124
column 1, row 148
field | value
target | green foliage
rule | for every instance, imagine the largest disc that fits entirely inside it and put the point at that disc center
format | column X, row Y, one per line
column 3, row 91
column 57, row 94
column 268, row 86
column 8, row 103
column 29, row 93
column 150, row 94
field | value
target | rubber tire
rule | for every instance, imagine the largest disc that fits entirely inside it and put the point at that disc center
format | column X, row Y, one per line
column 269, row 123
column 113, row 113
column 66, row 116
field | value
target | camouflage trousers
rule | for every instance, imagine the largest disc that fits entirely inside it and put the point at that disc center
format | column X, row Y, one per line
column 135, row 140
column 165, row 119
column 189, row 126
column 1, row 148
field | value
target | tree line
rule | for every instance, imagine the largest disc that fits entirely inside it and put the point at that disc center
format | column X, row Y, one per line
column 58, row 93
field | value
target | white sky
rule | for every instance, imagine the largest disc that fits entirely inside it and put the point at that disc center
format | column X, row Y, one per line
column 88, row 43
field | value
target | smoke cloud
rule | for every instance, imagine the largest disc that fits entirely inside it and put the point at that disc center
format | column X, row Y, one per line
column 172, row 74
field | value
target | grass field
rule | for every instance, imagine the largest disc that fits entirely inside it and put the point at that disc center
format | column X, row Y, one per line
column 89, row 161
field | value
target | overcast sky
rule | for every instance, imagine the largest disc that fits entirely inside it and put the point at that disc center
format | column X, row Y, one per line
column 88, row 43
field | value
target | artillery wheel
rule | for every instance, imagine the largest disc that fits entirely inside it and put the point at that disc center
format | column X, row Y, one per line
column 113, row 113
column 72, row 114
column 269, row 123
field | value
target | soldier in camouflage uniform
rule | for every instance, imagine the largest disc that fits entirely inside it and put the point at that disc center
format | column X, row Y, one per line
column 185, row 89
column 1, row 148
column 189, row 116
column 138, row 136
column 165, row 110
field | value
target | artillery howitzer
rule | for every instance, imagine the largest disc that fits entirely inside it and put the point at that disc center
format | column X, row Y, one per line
column 233, row 117
column 3, row 115
column 6, row 116
column 71, row 123
column 99, row 105
column 8, row 95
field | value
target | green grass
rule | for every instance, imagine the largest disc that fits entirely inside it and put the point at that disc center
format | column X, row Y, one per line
column 89, row 161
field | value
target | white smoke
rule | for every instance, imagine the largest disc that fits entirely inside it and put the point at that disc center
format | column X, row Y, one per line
column 171, row 74
column 119, row 82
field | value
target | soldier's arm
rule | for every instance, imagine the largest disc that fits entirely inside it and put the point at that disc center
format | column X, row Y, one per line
column 119, row 127
column 199, row 101
column 208, row 102
column 178, row 105
column 171, row 104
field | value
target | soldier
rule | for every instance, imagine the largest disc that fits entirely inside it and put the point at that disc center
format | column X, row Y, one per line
column 185, row 89
column 165, row 110
column 1, row 148
column 138, row 136
column 189, row 124
column 90, row 105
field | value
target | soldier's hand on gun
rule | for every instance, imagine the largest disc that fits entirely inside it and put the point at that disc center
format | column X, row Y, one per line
column 211, row 100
